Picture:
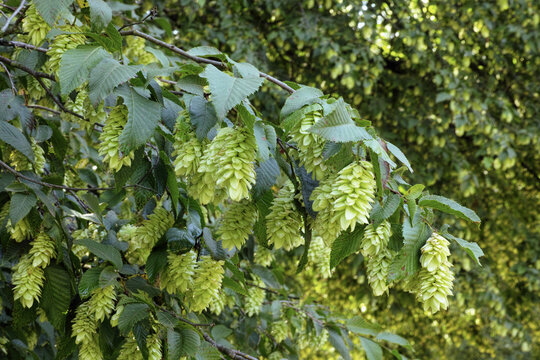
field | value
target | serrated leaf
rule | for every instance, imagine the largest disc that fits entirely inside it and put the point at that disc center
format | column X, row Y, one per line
column 166, row 319
column 448, row 206
column 393, row 338
column 76, row 64
column 266, row 175
column 12, row 106
column 407, row 260
column 471, row 248
column 203, row 116
column 103, row 251
column 56, row 295
column 228, row 91
column 100, row 13
column 108, row 276
column 415, row 191
column 190, row 340
column 233, row 285
column 399, row 155
column 132, row 314
column 207, row 352
column 192, row 84
column 376, row 147
column 89, row 281
column 14, row 137
column 174, row 345
column 20, row 206
column 346, row 244
column 143, row 118
column 390, row 204
column 339, row 127
column 338, row 343
column 155, row 263
column 179, row 239
column 361, row 326
column 51, row 10
column 372, row 349
column 107, row 75
column 301, row 97
column 262, row 142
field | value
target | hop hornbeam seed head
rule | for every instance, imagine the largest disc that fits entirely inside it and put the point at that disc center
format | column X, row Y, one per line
column 377, row 256
column 130, row 350
column 187, row 149
column 21, row 231
column 310, row 146
column 255, row 299
column 207, row 283
column 35, row 26
column 43, row 250
column 84, row 325
column 236, row 224
column 28, row 281
column 284, row 223
column 90, row 350
column 231, row 158
column 375, row 239
column 116, row 315
column 435, row 279
column 102, row 302
column 178, row 276
column 110, row 139
column 70, row 39
column 263, row 256
column 148, row 234
column 39, row 157
column 153, row 342
column 344, row 200
column 319, row 257
column 135, row 51
column 280, row 330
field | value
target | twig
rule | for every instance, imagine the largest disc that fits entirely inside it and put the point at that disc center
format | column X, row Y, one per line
column 150, row 15
column 199, row 59
column 44, row 108
column 85, row 207
column 22, row 45
column 4, row 28
column 62, row 187
column 57, row 100
column 273, row 291
column 26, row 69
column 233, row 354
column 10, row 79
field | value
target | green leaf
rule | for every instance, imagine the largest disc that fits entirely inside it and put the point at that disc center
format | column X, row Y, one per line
column 143, row 118
column 359, row 325
column 107, row 75
column 393, row 338
column 166, row 319
column 301, row 97
column 262, row 142
column 228, row 91
column 106, row 252
column 89, row 281
column 233, row 285
column 415, row 191
column 338, row 343
column 14, row 137
column 471, row 248
column 339, row 127
column 179, row 239
column 20, row 206
column 190, row 341
column 207, row 352
column 100, row 13
column 376, row 147
column 108, row 276
column 372, row 349
column 399, row 155
column 346, row 244
column 12, row 106
column 448, row 206
column 156, row 262
column 266, row 174
column 390, row 204
column 174, row 345
column 203, row 116
column 132, row 314
column 56, row 295
column 76, row 64
column 51, row 10
column 192, row 84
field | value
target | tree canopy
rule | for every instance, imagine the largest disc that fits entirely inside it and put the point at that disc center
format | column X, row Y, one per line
column 278, row 179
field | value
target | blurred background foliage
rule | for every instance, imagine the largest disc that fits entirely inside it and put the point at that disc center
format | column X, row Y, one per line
column 455, row 84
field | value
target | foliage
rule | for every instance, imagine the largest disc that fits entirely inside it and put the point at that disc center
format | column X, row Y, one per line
column 162, row 204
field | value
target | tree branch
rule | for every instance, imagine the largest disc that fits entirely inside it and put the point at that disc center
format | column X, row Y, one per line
column 197, row 59
column 34, row 73
column 233, row 354
column 22, row 45
column 13, row 88
column 18, row 175
column 4, row 28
